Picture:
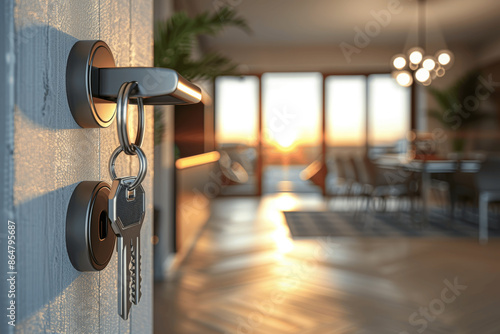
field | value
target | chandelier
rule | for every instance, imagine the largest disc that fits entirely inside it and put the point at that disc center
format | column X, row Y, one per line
column 417, row 65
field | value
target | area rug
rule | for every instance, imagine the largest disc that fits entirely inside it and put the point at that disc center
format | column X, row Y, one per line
column 305, row 224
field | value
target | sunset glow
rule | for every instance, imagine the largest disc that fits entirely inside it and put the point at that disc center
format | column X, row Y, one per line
column 197, row 160
column 292, row 106
column 237, row 110
column 389, row 106
column 345, row 110
column 291, row 109
column 286, row 141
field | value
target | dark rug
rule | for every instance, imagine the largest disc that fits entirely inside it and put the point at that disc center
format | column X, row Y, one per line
column 343, row 224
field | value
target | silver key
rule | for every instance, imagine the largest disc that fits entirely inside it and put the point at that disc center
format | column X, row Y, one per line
column 126, row 211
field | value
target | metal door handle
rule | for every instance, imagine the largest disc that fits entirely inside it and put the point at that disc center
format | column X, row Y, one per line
column 93, row 82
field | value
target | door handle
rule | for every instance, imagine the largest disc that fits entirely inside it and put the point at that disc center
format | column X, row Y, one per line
column 156, row 85
column 93, row 82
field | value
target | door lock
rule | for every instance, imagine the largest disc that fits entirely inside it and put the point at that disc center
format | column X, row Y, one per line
column 93, row 82
column 90, row 240
column 94, row 86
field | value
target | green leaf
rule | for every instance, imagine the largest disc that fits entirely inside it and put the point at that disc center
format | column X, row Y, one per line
column 451, row 98
column 176, row 38
column 438, row 115
column 175, row 42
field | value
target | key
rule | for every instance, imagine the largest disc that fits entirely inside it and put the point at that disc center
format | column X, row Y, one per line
column 126, row 211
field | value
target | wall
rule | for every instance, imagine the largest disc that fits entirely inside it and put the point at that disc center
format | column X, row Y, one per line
column 6, row 142
column 196, row 187
column 164, row 195
column 490, row 53
column 51, row 154
column 329, row 59
column 192, row 201
column 163, row 180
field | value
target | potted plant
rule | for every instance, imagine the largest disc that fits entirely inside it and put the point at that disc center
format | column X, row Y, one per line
column 455, row 111
column 175, row 42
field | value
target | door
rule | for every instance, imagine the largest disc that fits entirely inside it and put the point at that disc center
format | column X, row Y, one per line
column 46, row 154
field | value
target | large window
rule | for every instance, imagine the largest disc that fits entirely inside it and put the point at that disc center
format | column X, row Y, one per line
column 345, row 110
column 389, row 110
column 291, row 109
column 291, row 128
column 353, row 101
column 236, row 132
column 360, row 111
column 237, row 110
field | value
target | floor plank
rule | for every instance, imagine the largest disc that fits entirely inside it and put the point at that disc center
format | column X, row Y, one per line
column 245, row 275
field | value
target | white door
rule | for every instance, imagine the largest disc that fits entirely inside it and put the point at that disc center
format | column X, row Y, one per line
column 46, row 154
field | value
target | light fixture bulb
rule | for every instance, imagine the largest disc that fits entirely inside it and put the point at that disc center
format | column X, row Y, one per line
column 399, row 62
column 422, row 75
column 429, row 64
column 440, row 71
column 404, row 78
column 444, row 58
column 416, row 57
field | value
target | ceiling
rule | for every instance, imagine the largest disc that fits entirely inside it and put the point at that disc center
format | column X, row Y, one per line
column 276, row 23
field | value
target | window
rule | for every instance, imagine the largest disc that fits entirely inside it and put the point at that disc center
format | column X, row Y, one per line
column 292, row 109
column 237, row 110
column 389, row 110
column 345, row 110
column 360, row 111
column 237, row 129
column 291, row 128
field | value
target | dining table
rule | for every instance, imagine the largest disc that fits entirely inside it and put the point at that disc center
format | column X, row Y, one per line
column 426, row 166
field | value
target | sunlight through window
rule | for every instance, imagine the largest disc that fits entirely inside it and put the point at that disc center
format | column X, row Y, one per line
column 292, row 109
column 345, row 110
column 389, row 106
column 236, row 109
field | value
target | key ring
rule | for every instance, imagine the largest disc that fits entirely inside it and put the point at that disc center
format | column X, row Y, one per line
column 121, row 118
column 143, row 165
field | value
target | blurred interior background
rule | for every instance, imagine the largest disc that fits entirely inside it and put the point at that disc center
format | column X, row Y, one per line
column 341, row 174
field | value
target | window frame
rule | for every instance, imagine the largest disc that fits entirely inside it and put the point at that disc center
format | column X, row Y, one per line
column 259, row 167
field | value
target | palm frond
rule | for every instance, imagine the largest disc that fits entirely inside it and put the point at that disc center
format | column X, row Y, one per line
column 445, row 97
column 438, row 115
column 176, row 38
column 175, row 42
column 451, row 98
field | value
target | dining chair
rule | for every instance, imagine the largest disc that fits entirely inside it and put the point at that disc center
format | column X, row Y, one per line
column 358, row 186
column 339, row 185
column 381, row 185
column 481, row 188
column 488, row 185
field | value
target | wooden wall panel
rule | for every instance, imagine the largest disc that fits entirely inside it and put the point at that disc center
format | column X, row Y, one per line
column 51, row 154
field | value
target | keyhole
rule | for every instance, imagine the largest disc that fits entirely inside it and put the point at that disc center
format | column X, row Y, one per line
column 103, row 225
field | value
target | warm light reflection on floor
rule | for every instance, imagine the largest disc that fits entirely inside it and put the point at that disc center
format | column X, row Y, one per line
column 245, row 266
column 283, row 242
column 286, row 202
column 272, row 211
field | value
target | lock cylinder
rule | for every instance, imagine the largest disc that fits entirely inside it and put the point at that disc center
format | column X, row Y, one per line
column 89, row 239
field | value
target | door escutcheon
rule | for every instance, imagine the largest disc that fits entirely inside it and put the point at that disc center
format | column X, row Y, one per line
column 89, row 239
column 93, row 82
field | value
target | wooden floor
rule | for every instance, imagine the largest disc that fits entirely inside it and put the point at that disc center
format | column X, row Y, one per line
column 245, row 275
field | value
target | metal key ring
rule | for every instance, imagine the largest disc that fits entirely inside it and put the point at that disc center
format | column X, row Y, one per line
column 143, row 165
column 121, row 118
